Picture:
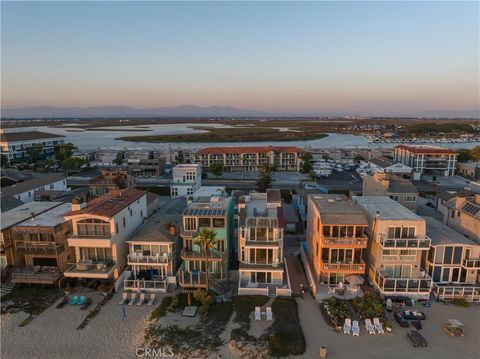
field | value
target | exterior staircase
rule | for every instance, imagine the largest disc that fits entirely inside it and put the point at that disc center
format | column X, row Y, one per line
column 221, row 291
column 6, row 288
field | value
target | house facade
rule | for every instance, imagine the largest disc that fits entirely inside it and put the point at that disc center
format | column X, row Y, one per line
column 25, row 190
column 463, row 214
column 186, row 180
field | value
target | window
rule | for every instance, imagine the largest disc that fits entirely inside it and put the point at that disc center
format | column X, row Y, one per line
column 131, row 212
column 220, row 246
column 51, row 186
column 401, row 232
column 141, row 214
column 204, row 222
column 219, row 222
column 448, row 255
column 116, row 227
column 124, row 222
column 410, row 198
column 190, row 223
column 29, row 194
column 457, row 255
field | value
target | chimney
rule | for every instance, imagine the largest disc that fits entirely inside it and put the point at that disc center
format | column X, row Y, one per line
column 32, row 215
column 173, row 230
column 78, row 203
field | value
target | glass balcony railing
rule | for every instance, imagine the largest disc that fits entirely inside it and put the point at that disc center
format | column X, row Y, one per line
column 344, row 241
column 471, row 263
column 421, row 284
column 416, row 242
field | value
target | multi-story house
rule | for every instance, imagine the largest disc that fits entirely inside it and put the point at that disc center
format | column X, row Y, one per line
column 453, row 262
column 433, row 160
column 215, row 213
column 154, row 253
column 262, row 269
column 16, row 145
column 41, row 249
column 463, row 214
column 398, row 242
column 397, row 188
column 110, row 180
column 100, row 230
column 336, row 240
column 25, row 190
column 187, row 179
column 280, row 158
column 144, row 163
column 386, row 165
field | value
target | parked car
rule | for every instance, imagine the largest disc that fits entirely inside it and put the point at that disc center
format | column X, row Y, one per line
column 400, row 300
column 400, row 320
column 412, row 315
column 417, row 339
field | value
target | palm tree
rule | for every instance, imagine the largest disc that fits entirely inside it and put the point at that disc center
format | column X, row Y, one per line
column 206, row 239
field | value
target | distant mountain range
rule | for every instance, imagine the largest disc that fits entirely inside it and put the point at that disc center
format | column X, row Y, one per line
column 197, row 111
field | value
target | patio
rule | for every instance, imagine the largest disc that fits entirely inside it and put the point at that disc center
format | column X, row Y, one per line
column 346, row 292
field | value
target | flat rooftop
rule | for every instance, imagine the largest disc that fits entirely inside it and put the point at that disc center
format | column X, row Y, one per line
column 50, row 218
column 338, row 209
column 215, row 206
column 24, row 212
column 386, row 208
column 157, row 228
column 440, row 234
column 260, row 212
column 32, row 184
column 427, row 149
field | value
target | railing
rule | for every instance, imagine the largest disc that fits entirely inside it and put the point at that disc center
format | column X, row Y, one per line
column 145, row 284
column 341, row 241
column 405, row 285
column 399, row 257
column 44, row 248
column 144, row 259
column 189, row 233
column 92, row 266
column 31, row 276
column 471, row 263
column 91, row 235
column 450, row 292
column 387, row 242
column 342, row 267
column 213, row 255
column 191, row 279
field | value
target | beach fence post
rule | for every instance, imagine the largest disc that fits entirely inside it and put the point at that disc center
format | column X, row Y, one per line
column 124, row 313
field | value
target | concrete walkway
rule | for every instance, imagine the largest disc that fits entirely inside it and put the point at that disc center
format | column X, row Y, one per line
column 296, row 274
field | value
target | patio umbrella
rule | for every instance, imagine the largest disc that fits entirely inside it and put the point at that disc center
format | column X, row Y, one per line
column 355, row 279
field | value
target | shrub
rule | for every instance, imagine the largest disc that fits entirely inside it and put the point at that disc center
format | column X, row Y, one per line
column 461, row 302
column 160, row 311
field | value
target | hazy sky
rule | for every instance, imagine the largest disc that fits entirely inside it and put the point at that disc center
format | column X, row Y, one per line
column 360, row 57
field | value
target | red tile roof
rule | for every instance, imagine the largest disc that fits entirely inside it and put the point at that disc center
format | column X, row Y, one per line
column 110, row 203
column 252, row 149
column 427, row 149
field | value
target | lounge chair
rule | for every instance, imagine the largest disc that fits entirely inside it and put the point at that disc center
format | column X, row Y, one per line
column 152, row 299
column 74, row 300
column 369, row 327
column 124, row 298
column 132, row 299
column 355, row 329
column 81, row 301
column 347, row 327
column 378, row 326
column 331, row 290
column 269, row 313
column 258, row 314
column 141, row 300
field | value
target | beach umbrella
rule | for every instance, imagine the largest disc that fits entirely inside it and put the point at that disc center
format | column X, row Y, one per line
column 355, row 279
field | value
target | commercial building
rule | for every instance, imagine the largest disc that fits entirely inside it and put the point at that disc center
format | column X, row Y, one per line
column 144, row 163
column 387, row 184
column 25, row 190
column 453, row 262
column 16, row 145
column 463, row 214
column 100, row 230
column 387, row 165
column 336, row 240
column 262, row 268
column 431, row 160
column 398, row 242
column 280, row 158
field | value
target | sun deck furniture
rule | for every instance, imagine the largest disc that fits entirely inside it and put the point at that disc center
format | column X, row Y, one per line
column 454, row 327
column 132, row 299
column 331, row 290
column 378, row 326
column 81, row 300
column 74, row 300
column 124, row 298
column 141, row 299
column 269, row 313
column 347, row 326
column 258, row 314
column 190, row 311
column 369, row 327
column 389, row 305
column 355, row 329
column 152, row 299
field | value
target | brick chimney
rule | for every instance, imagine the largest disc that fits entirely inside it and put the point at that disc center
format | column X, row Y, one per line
column 78, row 203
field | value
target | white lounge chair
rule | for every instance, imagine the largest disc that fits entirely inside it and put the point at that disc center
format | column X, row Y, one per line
column 269, row 313
column 355, row 329
column 132, row 299
column 331, row 290
column 258, row 314
column 141, row 300
column 369, row 327
column 124, row 298
column 152, row 299
column 347, row 326
column 378, row 326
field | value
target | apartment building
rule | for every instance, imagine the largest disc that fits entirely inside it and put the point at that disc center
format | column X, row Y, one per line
column 215, row 213
column 110, row 180
column 398, row 242
column 41, row 249
column 186, row 179
column 25, row 190
column 431, row 160
column 261, row 223
column 16, row 145
column 154, row 253
column 397, row 188
column 280, row 158
column 100, row 230
column 387, row 165
column 144, row 163
column 463, row 214
column 336, row 240
column 453, row 262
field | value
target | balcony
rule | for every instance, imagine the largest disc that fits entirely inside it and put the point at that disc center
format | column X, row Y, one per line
column 202, row 255
column 471, row 263
column 412, row 285
column 399, row 257
column 358, row 267
column 39, row 248
column 159, row 285
column 192, row 279
column 101, row 269
column 91, row 240
column 38, row 275
column 271, row 243
column 350, row 242
column 469, row 292
column 192, row 233
column 422, row 243
column 138, row 258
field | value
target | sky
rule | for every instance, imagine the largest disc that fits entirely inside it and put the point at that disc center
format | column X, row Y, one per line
column 283, row 57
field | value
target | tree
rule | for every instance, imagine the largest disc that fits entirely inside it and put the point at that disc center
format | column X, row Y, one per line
column 206, row 239
column 307, row 166
column 119, row 159
column 265, row 178
column 33, row 152
column 312, row 175
column 475, row 152
column 464, row 155
column 3, row 161
column 216, row 169
column 64, row 151
column 70, row 164
column 359, row 158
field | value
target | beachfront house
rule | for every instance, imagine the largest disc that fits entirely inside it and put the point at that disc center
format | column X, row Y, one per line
column 463, row 214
